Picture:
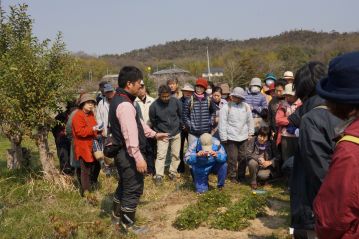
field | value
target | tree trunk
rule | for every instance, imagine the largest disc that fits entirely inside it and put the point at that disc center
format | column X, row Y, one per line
column 46, row 157
column 14, row 155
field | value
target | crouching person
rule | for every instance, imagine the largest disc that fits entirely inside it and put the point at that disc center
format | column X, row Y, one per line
column 206, row 155
column 262, row 161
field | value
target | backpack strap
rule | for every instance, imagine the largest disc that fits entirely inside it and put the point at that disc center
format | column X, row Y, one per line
column 192, row 103
column 349, row 138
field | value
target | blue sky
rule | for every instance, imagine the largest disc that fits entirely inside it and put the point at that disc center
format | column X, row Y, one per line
column 117, row 26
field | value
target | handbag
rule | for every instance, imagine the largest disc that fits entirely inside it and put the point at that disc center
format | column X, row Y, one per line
column 110, row 148
column 97, row 150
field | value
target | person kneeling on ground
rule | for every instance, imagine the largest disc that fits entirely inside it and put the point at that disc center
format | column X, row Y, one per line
column 262, row 161
column 206, row 155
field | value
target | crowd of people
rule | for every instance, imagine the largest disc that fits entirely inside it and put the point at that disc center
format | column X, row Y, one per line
column 302, row 129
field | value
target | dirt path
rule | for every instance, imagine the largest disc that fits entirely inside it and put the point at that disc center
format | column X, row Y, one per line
column 162, row 214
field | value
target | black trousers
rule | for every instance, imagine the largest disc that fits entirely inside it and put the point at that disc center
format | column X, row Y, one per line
column 184, row 137
column 151, row 155
column 63, row 146
column 130, row 185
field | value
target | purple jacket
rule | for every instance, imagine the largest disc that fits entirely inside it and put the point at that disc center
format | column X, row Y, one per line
column 257, row 102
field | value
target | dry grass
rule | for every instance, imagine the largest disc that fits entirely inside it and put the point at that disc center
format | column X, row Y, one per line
column 33, row 208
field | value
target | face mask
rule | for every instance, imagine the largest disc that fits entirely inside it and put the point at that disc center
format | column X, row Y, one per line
column 255, row 89
column 209, row 91
column 269, row 82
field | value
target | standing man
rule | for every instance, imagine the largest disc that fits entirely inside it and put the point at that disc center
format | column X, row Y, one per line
column 130, row 132
column 173, row 84
column 187, row 92
column 143, row 103
column 165, row 116
column 103, row 107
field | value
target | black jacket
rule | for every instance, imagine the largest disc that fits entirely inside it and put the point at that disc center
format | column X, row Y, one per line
column 311, row 161
column 166, row 117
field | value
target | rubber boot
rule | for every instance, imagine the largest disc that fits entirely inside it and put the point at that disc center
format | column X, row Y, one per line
column 128, row 221
column 116, row 211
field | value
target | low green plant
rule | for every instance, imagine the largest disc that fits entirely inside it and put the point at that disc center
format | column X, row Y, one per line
column 237, row 216
column 215, row 209
column 194, row 215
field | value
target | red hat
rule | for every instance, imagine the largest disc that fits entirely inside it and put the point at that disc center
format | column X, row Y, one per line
column 202, row 82
column 270, row 88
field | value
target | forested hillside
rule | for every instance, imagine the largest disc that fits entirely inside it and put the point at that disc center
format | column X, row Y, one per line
column 241, row 60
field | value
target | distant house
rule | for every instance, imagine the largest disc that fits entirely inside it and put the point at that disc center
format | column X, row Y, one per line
column 161, row 77
column 214, row 72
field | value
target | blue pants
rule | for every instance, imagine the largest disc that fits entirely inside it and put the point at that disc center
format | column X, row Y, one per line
column 201, row 176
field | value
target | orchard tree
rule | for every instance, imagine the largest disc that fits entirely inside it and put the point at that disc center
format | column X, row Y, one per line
column 36, row 79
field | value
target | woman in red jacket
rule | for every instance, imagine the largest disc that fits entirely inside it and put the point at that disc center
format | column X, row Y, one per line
column 336, row 206
column 84, row 131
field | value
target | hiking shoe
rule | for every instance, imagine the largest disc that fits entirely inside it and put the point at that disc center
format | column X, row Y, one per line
column 158, row 180
column 253, row 186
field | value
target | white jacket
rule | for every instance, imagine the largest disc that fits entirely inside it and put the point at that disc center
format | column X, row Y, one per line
column 145, row 108
column 235, row 122
column 102, row 114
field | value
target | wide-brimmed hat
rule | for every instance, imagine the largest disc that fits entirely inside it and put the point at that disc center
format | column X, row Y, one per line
column 206, row 141
column 288, row 75
column 342, row 83
column 187, row 87
column 86, row 97
column 256, row 82
column 238, row 92
column 288, row 90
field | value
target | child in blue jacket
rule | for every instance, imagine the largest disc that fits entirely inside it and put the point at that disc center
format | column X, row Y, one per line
column 206, row 155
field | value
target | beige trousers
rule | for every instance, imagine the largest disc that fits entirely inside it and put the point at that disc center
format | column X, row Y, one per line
column 162, row 148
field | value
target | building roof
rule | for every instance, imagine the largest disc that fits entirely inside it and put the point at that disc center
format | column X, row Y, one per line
column 214, row 70
column 174, row 70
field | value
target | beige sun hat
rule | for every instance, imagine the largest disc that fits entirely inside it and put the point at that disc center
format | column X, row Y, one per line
column 288, row 75
column 288, row 89
column 87, row 97
column 188, row 87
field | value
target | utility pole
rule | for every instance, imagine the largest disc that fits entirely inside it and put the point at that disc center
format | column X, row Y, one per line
column 209, row 68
